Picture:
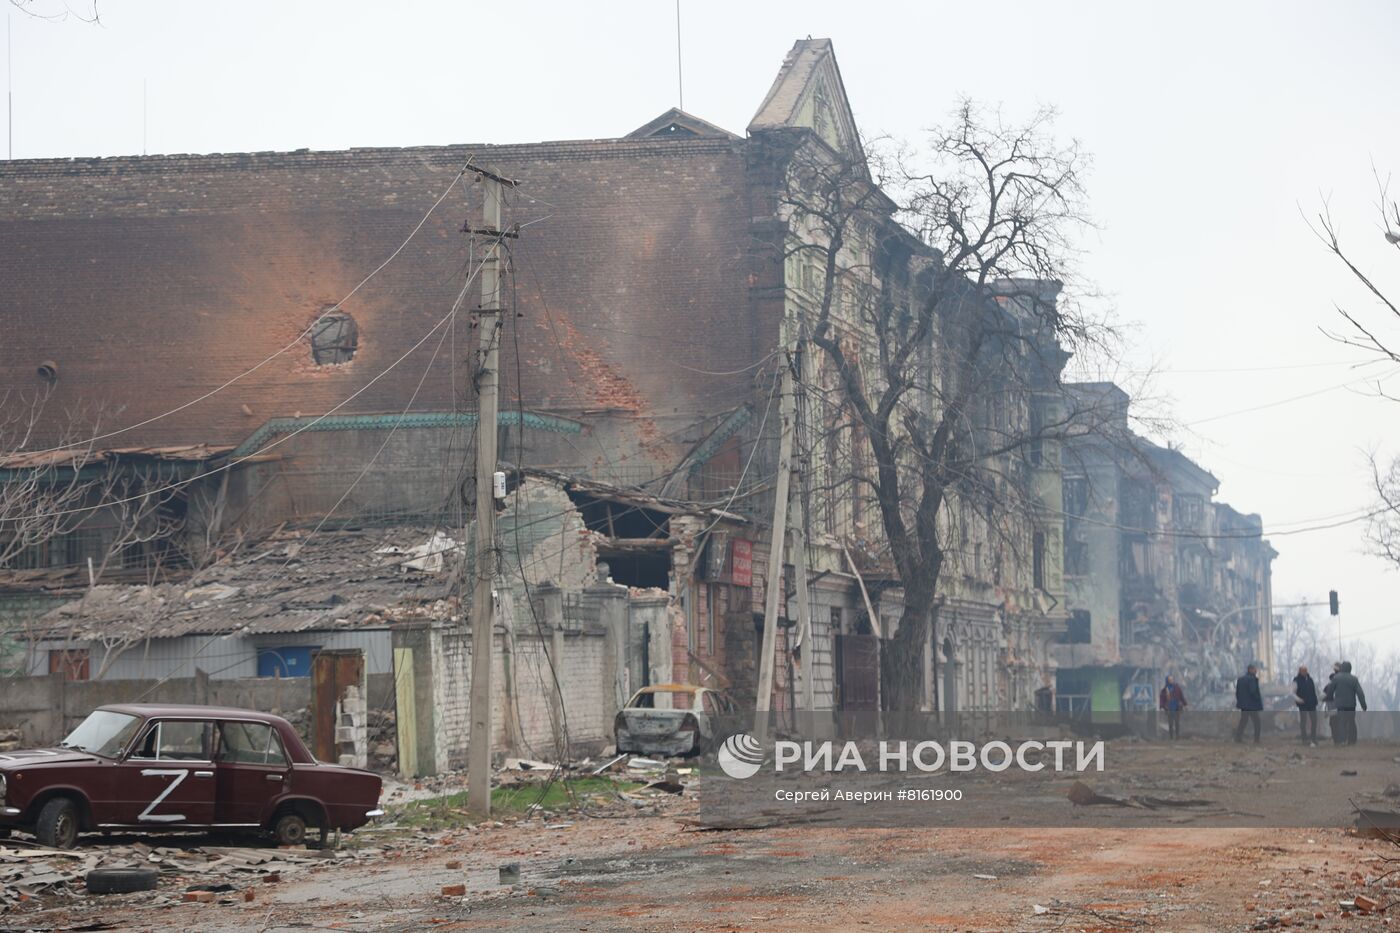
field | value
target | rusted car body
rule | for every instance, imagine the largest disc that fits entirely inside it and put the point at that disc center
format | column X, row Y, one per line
column 670, row 720
column 148, row 767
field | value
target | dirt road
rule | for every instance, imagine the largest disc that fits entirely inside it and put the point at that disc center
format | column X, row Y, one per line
column 620, row 871
column 639, row 860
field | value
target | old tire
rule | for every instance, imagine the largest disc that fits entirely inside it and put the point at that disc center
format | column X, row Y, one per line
column 290, row 829
column 57, row 827
column 121, row 880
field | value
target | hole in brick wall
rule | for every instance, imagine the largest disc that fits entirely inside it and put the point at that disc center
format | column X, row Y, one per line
column 334, row 339
column 639, row 568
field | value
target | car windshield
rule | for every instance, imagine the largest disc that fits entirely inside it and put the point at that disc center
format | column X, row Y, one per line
column 103, row 733
column 663, row 699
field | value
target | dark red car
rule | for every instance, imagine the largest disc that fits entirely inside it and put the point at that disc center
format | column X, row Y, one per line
column 181, row 767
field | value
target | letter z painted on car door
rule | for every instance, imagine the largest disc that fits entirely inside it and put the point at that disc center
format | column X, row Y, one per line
column 168, row 779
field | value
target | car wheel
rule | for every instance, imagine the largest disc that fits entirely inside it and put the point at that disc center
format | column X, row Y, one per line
column 58, row 824
column 290, row 829
column 121, row 880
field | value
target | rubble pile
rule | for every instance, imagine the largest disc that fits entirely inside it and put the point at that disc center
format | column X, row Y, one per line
column 383, row 738
column 31, row 871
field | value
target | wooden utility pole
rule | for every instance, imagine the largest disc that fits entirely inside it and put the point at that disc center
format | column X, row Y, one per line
column 804, row 607
column 774, row 581
column 487, row 379
column 801, row 529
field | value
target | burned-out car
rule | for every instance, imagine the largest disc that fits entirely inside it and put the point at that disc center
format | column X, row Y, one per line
column 146, row 767
column 670, row 720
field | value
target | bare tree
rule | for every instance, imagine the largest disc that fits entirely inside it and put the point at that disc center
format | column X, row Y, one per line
column 141, row 509
column 42, row 494
column 58, row 11
column 1303, row 640
column 942, row 349
column 1373, row 332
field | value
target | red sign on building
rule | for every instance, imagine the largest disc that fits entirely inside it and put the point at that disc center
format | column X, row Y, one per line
column 741, row 562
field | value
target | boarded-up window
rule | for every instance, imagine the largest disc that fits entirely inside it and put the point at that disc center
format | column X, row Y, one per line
column 72, row 663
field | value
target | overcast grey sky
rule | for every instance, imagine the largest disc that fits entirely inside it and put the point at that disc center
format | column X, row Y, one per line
column 1210, row 124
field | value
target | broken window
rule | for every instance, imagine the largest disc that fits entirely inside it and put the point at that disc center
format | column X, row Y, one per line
column 1076, row 558
column 1038, row 559
column 1188, row 510
column 1076, row 495
column 1078, row 628
column 1138, row 506
column 334, row 339
column 1035, row 450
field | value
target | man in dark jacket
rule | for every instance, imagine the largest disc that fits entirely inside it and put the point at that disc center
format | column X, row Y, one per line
column 1330, row 705
column 1249, row 702
column 1346, row 694
column 1305, row 695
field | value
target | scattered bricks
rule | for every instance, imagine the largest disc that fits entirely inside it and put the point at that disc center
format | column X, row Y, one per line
column 272, row 877
column 201, row 897
column 1363, row 902
column 454, row 865
column 454, row 890
column 249, row 894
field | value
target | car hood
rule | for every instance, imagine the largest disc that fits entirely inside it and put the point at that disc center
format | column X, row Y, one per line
column 28, row 757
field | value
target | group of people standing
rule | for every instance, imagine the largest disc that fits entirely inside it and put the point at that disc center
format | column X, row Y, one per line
column 1340, row 696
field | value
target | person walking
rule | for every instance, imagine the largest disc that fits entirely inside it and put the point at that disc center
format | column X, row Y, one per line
column 1305, row 695
column 1172, row 700
column 1249, row 702
column 1347, row 693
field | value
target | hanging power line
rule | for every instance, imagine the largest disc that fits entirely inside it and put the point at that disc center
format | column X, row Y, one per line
column 298, row 339
column 277, row 443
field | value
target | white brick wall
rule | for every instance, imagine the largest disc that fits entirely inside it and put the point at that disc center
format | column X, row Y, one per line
column 581, row 671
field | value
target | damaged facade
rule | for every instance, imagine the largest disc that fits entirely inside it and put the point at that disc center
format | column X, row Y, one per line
column 652, row 286
column 1161, row 579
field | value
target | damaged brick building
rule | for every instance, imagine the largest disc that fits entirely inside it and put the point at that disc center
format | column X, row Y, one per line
column 299, row 320
column 1161, row 579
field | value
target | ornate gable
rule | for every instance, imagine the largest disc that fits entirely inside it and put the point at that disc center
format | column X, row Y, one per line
column 808, row 92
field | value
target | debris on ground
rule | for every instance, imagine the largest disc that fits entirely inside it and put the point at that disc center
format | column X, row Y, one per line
column 1081, row 794
column 30, row 870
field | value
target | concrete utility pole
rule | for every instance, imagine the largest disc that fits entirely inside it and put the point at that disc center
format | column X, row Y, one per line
column 483, row 593
column 774, row 581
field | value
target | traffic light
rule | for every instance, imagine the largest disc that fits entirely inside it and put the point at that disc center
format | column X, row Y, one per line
column 1332, row 603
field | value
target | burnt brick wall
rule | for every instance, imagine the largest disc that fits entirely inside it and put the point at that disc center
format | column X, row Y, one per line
column 151, row 280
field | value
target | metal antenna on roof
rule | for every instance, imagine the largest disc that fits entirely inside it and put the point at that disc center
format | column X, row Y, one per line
column 680, row 74
column 10, row 83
